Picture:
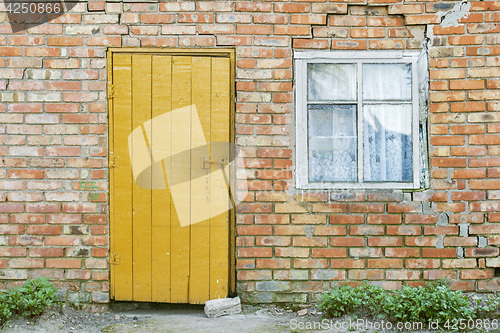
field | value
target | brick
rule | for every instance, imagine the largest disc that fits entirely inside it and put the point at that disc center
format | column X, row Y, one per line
column 402, row 275
column 441, row 230
column 385, row 263
column 330, row 32
column 78, row 275
column 302, row 30
column 270, row 18
column 403, row 230
column 253, row 7
column 25, row 174
column 468, row 196
column 349, row 44
column 467, row 218
column 273, row 264
column 328, row 253
column 482, row 252
column 46, row 252
column 347, row 263
column 310, row 241
column 366, row 230
column 26, row 263
column 421, row 219
column 405, row 9
column 366, row 208
column 372, row 274
column 11, row 208
column 310, row 44
column 64, row 41
column 329, row 230
column 329, row 208
column 484, row 184
column 387, row 44
column 385, row 21
column 438, row 253
column 202, row 29
column 254, row 252
column 346, row 219
column 308, row 219
column 347, row 241
column 385, row 241
column 310, row 263
column 293, row 252
column 10, row 73
column 325, row 274
column 215, row 7
column 413, row 207
column 25, row 241
column 12, row 252
column 43, row 230
column 484, row 229
column 347, row 21
column 317, row 19
column 401, row 252
column 422, row 263
column 421, row 241
column 474, row 274
column 27, row 218
column 329, row 8
column 63, row 263
column 292, row 7
column 368, row 32
column 441, row 274
column 365, row 252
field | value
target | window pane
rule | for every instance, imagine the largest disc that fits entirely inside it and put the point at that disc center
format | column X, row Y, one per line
column 331, row 82
column 387, row 82
column 332, row 143
column 387, row 143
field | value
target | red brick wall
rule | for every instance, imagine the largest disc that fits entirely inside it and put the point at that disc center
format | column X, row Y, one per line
column 290, row 247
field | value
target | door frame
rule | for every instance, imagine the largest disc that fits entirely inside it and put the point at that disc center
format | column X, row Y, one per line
column 215, row 52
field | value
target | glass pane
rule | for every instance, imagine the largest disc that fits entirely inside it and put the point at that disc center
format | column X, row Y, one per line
column 332, row 143
column 387, row 143
column 387, row 82
column 331, row 82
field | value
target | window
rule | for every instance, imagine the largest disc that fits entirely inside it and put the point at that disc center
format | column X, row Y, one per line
column 360, row 119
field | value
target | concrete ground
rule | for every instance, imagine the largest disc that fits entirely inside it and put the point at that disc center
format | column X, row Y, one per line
column 191, row 318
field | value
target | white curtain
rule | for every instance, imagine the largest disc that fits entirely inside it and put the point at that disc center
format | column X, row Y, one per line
column 385, row 82
column 387, row 142
column 331, row 82
column 332, row 143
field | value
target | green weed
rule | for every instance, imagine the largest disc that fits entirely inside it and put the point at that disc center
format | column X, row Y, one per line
column 433, row 302
column 29, row 300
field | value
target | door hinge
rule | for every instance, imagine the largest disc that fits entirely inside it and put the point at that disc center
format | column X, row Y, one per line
column 111, row 91
column 114, row 259
column 113, row 160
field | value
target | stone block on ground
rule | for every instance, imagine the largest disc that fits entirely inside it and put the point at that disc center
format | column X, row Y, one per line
column 223, row 306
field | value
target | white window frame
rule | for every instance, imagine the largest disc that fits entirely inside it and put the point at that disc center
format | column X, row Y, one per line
column 302, row 58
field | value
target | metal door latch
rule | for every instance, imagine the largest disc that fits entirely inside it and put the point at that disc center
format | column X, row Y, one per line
column 208, row 163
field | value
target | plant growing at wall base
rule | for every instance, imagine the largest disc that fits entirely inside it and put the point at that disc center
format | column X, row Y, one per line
column 432, row 302
column 29, row 300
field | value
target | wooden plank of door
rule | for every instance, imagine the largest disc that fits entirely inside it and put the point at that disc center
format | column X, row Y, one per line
column 200, row 232
column 180, row 165
column 122, row 178
column 219, row 225
column 141, row 112
column 161, row 200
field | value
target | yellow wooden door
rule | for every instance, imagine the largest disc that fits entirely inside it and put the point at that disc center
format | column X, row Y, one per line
column 155, row 256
